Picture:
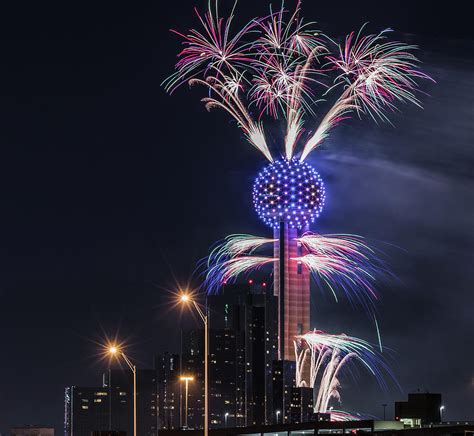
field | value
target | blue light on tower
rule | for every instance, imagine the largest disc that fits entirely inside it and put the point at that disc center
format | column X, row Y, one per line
column 289, row 191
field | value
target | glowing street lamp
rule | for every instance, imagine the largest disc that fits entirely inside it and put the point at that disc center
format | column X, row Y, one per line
column 225, row 418
column 277, row 414
column 115, row 351
column 441, row 409
column 186, row 380
column 186, row 298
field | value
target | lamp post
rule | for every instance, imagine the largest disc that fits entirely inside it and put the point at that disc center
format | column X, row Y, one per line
column 441, row 409
column 384, row 407
column 226, row 415
column 186, row 299
column 186, row 380
column 116, row 351
column 277, row 414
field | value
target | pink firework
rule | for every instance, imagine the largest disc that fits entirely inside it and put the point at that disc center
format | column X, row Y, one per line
column 283, row 67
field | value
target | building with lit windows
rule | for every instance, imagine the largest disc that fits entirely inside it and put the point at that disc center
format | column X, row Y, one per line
column 420, row 409
column 243, row 343
column 168, row 390
column 110, row 406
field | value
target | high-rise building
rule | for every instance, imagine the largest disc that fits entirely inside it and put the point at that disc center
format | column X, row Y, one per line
column 283, row 379
column 301, row 405
column 242, row 346
column 192, row 364
column 168, row 390
column 87, row 409
column 250, row 311
column 120, row 387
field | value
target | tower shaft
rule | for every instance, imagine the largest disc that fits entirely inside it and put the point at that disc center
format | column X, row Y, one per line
column 292, row 287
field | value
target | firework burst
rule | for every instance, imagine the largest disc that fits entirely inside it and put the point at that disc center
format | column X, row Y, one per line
column 280, row 65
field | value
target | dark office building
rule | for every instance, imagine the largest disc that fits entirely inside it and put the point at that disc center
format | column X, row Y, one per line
column 110, row 407
column 250, row 312
column 301, row 405
column 192, row 364
column 420, row 409
column 168, row 390
column 120, row 386
column 283, row 380
column 86, row 410
column 242, row 346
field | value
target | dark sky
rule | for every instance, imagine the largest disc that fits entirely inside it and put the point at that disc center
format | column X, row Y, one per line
column 110, row 188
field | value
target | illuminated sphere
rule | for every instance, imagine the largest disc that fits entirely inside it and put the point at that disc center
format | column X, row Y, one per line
column 289, row 191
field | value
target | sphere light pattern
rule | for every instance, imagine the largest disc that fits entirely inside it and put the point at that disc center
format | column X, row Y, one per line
column 290, row 191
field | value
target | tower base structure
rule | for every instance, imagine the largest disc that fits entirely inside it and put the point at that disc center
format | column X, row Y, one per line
column 292, row 287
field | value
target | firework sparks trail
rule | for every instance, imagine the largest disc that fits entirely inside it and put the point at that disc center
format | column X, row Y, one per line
column 228, row 270
column 229, row 100
column 375, row 75
column 341, row 262
column 237, row 245
column 344, row 262
column 339, row 272
column 211, row 49
column 278, row 63
column 328, row 355
column 350, row 247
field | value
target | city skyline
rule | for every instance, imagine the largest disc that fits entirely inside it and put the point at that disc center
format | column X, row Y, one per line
column 94, row 213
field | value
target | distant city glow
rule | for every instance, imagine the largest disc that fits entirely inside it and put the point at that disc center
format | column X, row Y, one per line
column 288, row 191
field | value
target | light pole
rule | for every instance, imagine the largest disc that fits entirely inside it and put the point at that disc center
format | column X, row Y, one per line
column 225, row 418
column 277, row 414
column 185, row 299
column 114, row 351
column 441, row 409
column 186, row 380
column 384, row 407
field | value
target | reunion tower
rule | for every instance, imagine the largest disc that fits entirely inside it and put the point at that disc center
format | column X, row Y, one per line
column 278, row 67
column 288, row 196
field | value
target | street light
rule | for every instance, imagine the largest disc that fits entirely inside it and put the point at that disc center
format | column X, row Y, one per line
column 115, row 351
column 186, row 380
column 186, row 299
column 277, row 414
column 441, row 409
column 225, row 418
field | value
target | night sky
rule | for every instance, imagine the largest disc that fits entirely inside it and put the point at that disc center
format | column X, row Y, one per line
column 111, row 190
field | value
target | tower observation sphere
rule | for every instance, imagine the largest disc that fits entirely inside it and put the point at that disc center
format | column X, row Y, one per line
column 290, row 191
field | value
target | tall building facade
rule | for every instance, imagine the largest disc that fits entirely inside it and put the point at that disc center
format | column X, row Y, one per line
column 292, row 286
column 242, row 346
column 168, row 391
column 250, row 312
